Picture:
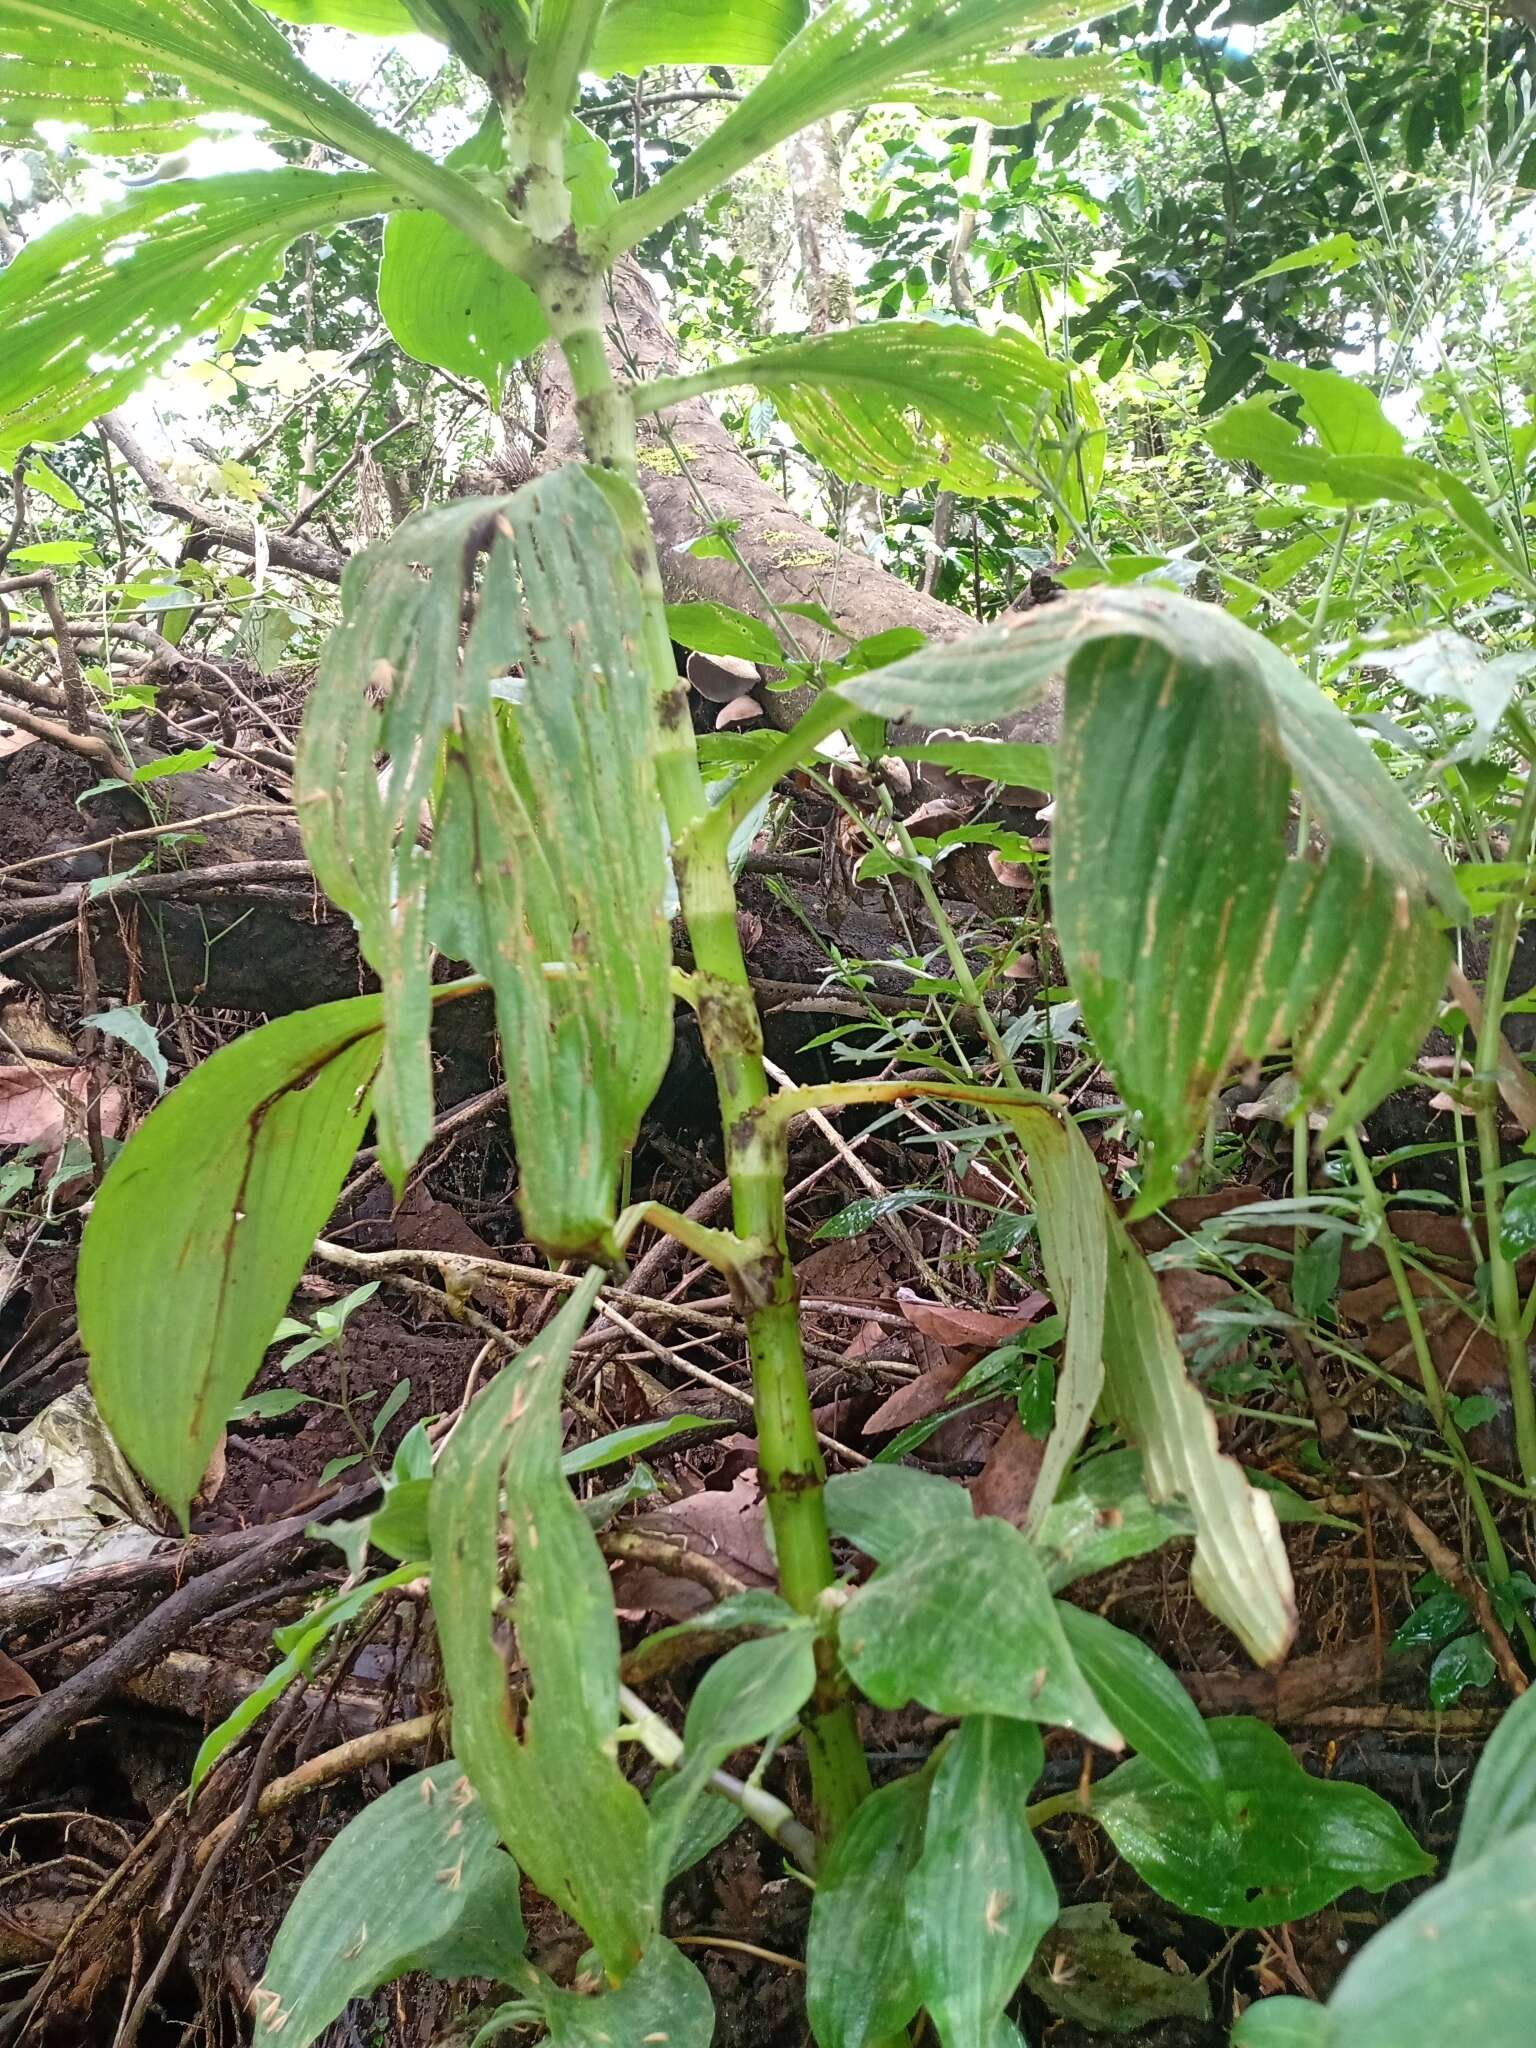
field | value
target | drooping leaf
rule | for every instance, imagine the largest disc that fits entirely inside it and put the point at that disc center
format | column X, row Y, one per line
column 1192, row 941
column 417, row 1881
column 861, row 1979
column 901, row 403
column 636, row 34
column 950, row 53
column 663, row 2000
column 722, row 629
column 91, row 308
column 1286, row 1844
column 981, row 1895
column 1240, row 1571
column 963, row 1622
column 1455, row 1966
column 629, row 1443
column 546, row 868
column 1102, row 1518
column 748, row 1695
column 1148, row 1705
column 127, row 1022
column 552, row 1787
column 1502, row 1798
column 203, row 1225
column 883, row 1508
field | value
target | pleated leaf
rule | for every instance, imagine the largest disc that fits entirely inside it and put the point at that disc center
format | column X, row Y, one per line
column 90, row 309
column 635, row 34
column 902, row 403
column 202, row 1227
column 545, row 868
column 116, row 104
column 548, row 1775
column 981, row 1895
column 1194, row 941
column 861, row 1983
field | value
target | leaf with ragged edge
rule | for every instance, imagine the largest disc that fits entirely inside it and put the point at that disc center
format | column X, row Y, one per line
column 861, row 1980
column 1148, row 1705
column 1502, row 1798
column 883, row 1508
column 553, row 1789
column 202, row 1227
column 546, row 867
column 953, row 54
column 1286, row 1844
column 901, row 403
column 750, row 1694
column 1103, row 1517
column 980, row 1896
column 635, row 34
column 1457, row 1965
column 1192, row 940
column 417, row 1881
column 662, row 2000
column 229, row 56
column 1240, row 1571
column 91, row 308
column 1087, row 1970
column 963, row 1622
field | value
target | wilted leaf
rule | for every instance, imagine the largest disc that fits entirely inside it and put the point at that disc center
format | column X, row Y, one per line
column 417, row 1881
column 963, row 1622
column 980, row 1896
column 554, row 1791
column 861, row 1982
column 1338, row 954
column 1286, row 1845
column 203, row 1224
column 1087, row 1970
column 546, row 868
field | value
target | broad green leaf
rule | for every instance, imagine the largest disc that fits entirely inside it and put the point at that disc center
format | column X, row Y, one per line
column 861, row 1980
column 1288, row 1843
column 1103, row 1517
column 749, row 1694
column 1337, row 252
column 366, row 17
column 883, row 1508
column 722, row 629
column 550, row 1780
column 91, row 308
column 1466, row 1662
column 230, row 58
column 980, row 1896
column 635, row 34
column 1240, row 1570
column 448, row 302
column 129, row 1023
column 417, row 1881
column 901, row 403
column 1148, row 1705
column 865, row 1212
column 1457, row 1965
column 1014, row 763
column 1192, row 940
column 1346, row 413
column 546, row 867
column 953, row 54
column 203, row 1226
column 963, row 1622
column 1502, row 1798
column 662, row 2000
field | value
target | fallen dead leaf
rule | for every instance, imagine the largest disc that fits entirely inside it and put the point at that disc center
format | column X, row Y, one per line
column 1006, row 1484
column 727, row 1526
column 42, row 1105
column 923, row 1396
column 949, row 1325
column 16, row 1682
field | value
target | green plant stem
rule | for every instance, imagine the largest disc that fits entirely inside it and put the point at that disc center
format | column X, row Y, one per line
column 771, row 1814
column 1434, row 1393
column 789, row 1455
column 1504, row 1287
column 959, row 965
